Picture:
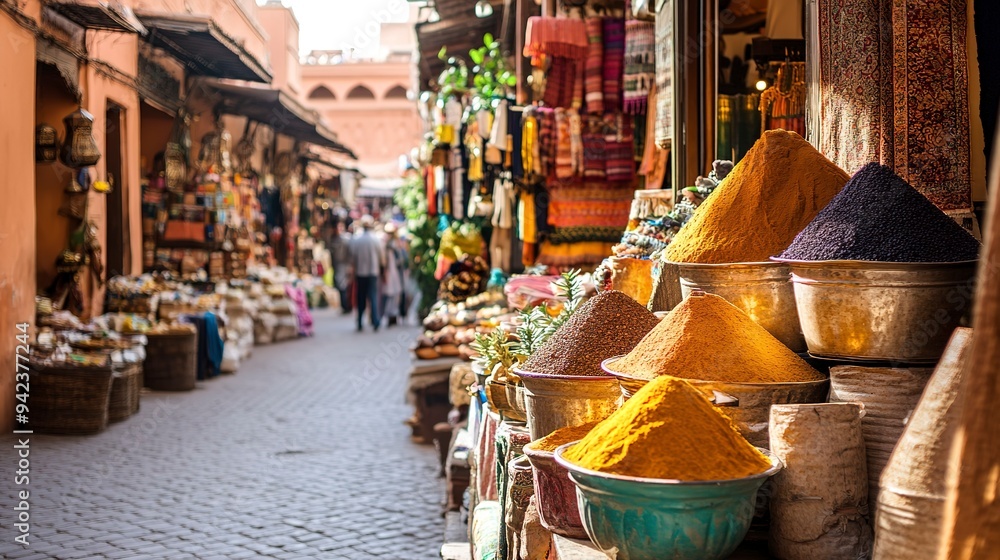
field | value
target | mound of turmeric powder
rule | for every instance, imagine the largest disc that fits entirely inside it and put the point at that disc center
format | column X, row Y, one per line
column 668, row 430
column 562, row 436
column 764, row 202
column 708, row 338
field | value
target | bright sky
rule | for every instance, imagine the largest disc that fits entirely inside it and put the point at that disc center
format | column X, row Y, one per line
column 344, row 24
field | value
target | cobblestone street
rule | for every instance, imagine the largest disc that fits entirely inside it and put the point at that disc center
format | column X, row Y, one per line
column 301, row 454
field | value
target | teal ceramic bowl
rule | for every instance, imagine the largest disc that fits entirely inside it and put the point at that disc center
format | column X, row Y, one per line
column 633, row 518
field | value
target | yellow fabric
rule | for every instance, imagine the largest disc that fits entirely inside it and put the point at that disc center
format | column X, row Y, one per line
column 526, row 218
column 529, row 145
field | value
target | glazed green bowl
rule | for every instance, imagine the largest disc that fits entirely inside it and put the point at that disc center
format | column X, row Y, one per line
column 632, row 518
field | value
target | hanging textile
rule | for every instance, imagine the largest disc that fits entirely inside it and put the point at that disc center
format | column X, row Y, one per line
column 594, row 166
column 560, row 82
column 620, row 162
column 530, row 153
column 564, row 154
column 614, row 58
column 546, row 139
column 664, row 129
column 640, row 67
column 550, row 36
column 576, row 142
column 593, row 89
column 654, row 158
column 782, row 105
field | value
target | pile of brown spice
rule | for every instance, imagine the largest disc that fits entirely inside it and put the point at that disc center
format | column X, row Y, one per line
column 708, row 338
column 608, row 325
column 764, row 202
column 562, row 436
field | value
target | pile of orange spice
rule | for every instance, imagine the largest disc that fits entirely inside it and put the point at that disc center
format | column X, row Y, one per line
column 562, row 436
column 764, row 202
column 708, row 338
column 668, row 430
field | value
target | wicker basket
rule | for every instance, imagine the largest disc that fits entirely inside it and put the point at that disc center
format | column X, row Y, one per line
column 171, row 362
column 125, row 387
column 69, row 400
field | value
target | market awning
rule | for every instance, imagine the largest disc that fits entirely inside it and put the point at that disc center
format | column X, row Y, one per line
column 203, row 47
column 275, row 109
column 458, row 29
column 104, row 16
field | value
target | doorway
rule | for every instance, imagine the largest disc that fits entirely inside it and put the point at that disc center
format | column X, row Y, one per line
column 117, row 243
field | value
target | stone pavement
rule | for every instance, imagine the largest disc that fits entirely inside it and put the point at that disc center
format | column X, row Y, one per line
column 301, row 454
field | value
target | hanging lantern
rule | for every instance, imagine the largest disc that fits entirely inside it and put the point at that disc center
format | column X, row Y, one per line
column 46, row 143
column 80, row 148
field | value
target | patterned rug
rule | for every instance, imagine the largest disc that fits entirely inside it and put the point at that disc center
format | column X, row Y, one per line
column 895, row 90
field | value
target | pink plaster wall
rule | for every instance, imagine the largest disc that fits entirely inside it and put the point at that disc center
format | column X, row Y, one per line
column 378, row 130
column 17, row 215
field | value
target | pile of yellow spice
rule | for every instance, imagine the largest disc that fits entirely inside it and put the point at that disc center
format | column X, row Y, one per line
column 764, row 202
column 708, row 338
column 562, row 436
column 668, row 430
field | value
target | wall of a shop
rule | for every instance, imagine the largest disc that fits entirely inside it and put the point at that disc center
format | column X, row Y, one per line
column 52, row 102
column 17, row 216
column 119, row 51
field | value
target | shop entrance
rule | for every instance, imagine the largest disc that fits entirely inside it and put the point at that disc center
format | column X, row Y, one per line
column 118, row 234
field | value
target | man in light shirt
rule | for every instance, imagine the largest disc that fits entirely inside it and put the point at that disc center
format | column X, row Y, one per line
column 368, row 256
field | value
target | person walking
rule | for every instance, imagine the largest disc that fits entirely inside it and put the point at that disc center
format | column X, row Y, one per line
column 392, row 285
column 368, row 257
column 340, row 253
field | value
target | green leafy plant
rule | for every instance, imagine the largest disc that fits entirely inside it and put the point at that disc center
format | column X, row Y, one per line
column 424, row 241
column 492, row 75
column 498, row 353
column 454, row 79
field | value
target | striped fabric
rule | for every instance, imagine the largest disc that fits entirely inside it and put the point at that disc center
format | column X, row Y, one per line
column 640, row 64
column 593, row 89
column 614, row 58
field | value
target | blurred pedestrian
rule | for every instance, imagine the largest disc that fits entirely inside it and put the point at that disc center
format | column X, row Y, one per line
column 392, row 279
column 340, row 254
column 368, row 258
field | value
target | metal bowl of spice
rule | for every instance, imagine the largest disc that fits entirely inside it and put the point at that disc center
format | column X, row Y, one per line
column 748, row 405
column 761, row 290
column 862, row 310
column 559, row 401
column 632, row 518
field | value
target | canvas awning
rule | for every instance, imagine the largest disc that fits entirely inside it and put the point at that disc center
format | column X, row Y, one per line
column 203, row 47
column 103, row 16
column 275, row 109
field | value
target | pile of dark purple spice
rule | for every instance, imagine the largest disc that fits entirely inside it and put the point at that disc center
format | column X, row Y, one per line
column 609, row 324
column 880, row 217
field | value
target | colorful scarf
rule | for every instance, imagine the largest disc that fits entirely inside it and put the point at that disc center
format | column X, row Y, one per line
column 560, row 82
column 614, row 57
column 547, row 139
column 576, row 142
column 640, row 64
column 593, row 70
column 564, row 154
column 550, row 36
column 594, row 150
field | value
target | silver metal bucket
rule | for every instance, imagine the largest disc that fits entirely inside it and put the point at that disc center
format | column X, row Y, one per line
column 761, row 290
column 560, row 401
column 901, row 312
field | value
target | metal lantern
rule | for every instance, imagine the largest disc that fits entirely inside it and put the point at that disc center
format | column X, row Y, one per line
column 80, row 148
column 46, row 143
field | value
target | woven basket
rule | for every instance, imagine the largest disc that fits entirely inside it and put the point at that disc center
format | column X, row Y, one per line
column 171, row 362
column 69, row 400
column 125, row 387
